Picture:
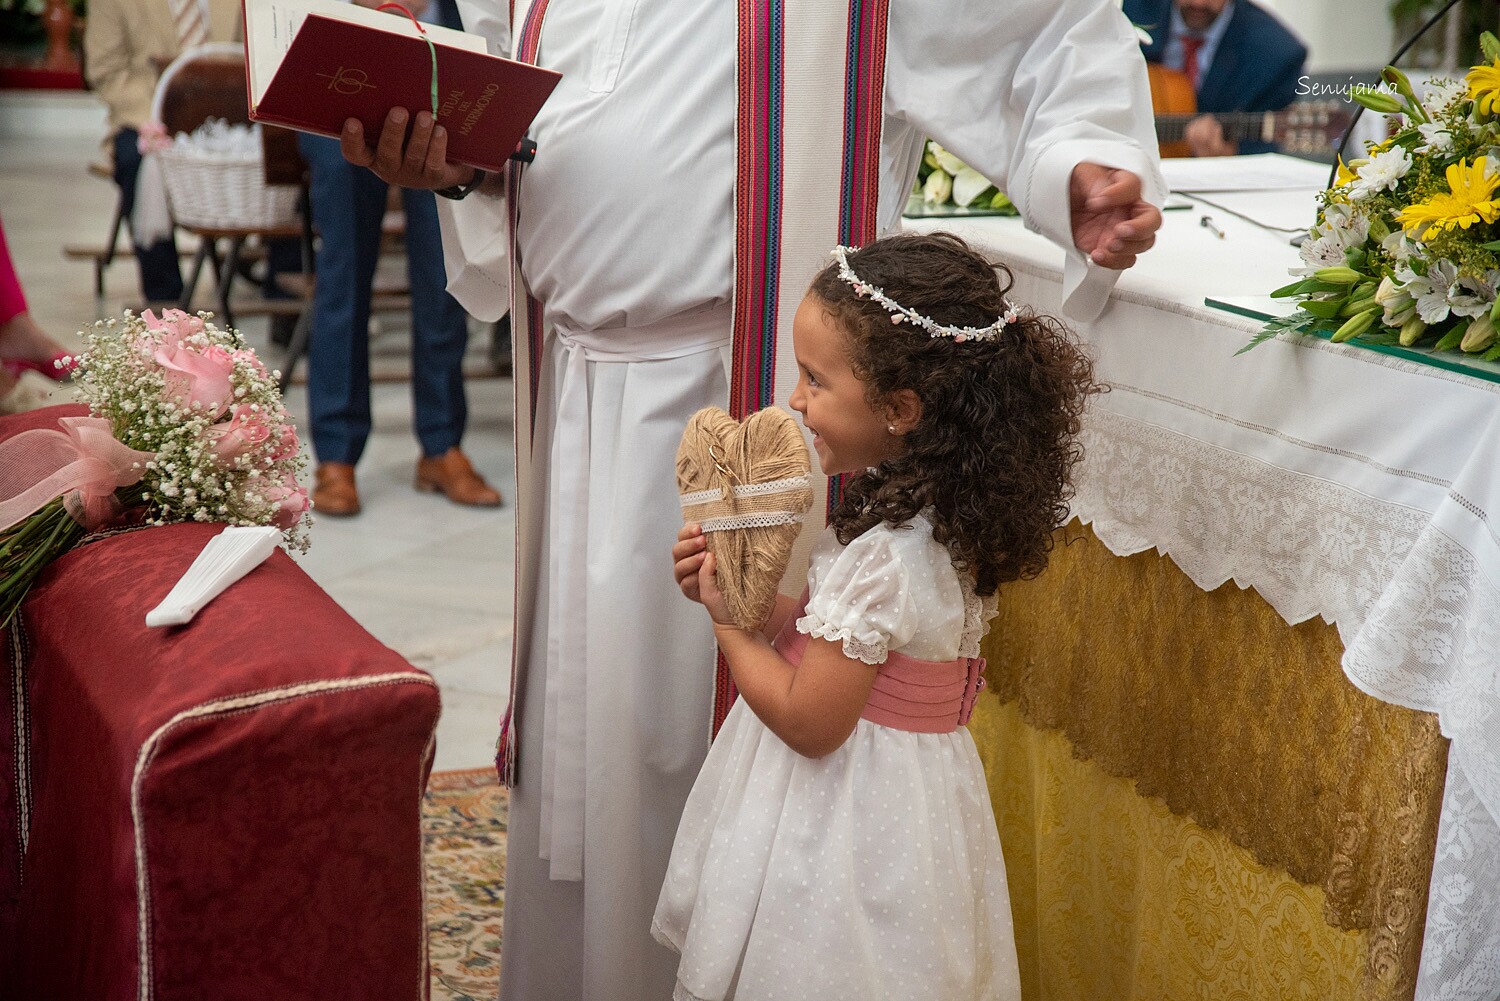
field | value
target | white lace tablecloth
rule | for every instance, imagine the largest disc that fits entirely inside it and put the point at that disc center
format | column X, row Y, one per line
column 1335, row 481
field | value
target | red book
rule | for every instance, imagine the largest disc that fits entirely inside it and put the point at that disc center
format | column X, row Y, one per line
column 312, row 64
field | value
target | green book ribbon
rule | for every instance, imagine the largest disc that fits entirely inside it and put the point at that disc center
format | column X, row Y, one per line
column 431, row 50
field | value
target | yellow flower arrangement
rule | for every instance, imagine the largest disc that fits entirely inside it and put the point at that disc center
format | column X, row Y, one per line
column 1405, row 251
column 1470, row 199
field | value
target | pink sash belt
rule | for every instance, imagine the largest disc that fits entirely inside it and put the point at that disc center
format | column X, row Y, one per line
column 919, row 696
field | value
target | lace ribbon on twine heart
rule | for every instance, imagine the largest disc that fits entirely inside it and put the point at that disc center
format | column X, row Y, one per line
column 749, row 486
column 82, row 463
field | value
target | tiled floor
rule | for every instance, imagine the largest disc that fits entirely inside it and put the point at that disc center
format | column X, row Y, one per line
column 428, row 578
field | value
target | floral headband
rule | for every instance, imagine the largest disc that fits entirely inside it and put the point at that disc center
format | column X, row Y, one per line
column 901, row 314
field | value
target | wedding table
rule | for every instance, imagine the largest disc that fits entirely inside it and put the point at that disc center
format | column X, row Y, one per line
column 1208, row 791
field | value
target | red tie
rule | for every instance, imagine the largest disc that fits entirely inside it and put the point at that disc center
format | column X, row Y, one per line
column 1190, row 47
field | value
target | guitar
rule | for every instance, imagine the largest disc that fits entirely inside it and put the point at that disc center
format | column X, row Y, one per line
column 1308, row 127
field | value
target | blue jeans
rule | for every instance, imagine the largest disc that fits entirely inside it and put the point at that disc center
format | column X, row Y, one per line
column 348, row 204
column 161, row 278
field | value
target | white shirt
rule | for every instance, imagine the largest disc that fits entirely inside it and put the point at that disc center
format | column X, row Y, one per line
column 627, row 215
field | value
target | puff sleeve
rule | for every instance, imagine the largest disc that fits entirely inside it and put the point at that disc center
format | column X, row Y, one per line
column 862, row 600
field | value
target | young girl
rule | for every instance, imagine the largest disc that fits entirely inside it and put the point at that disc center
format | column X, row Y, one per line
column 839, row 842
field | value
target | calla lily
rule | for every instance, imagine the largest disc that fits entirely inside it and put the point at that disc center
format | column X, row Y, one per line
column 947, row 161
column 968, row 184
column 937, row 187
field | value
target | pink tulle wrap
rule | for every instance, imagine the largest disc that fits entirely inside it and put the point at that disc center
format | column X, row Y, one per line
column 83, row 459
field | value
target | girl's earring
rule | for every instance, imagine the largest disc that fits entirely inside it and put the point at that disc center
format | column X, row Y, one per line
column 892, row 428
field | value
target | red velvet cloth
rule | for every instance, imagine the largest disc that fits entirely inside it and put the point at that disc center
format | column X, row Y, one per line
column 275, row 839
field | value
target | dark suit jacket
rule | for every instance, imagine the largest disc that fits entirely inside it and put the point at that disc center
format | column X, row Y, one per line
column 1256, row 67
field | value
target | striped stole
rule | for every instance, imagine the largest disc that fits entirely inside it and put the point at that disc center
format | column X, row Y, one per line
column 807, row 135
column 526, row 330
column 808, row 161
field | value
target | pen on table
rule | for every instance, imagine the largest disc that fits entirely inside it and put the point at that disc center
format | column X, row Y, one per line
column 1207, row 223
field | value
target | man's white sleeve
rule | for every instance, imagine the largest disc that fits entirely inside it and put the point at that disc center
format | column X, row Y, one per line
column 476, row 244
column 1023, row 92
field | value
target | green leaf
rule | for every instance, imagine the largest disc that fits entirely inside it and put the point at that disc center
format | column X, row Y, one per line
column 1324, row 309
column 1492, row 245
column 1297, row 287
column 1453, row 338
column 1493, row 354
column 1300, row 322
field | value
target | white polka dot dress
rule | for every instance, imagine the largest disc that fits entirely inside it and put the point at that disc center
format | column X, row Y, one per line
column 874, row 872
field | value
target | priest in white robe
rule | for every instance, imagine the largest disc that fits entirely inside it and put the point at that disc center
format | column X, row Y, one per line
column 626, row 232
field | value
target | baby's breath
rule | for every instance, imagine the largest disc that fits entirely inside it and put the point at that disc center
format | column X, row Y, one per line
column 122, row 380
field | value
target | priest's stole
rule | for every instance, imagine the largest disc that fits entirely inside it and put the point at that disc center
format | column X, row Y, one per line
column 1194, row 801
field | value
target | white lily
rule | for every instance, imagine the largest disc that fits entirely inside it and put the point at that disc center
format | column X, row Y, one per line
column 1472, row 296
column 937, row 187
column 1343, row 227
column 968, row 184
column 945, row 160
column 1396, row 301
column 1398, row 246
column 1430, row 290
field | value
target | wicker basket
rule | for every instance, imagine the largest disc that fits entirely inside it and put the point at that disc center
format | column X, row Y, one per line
column 225, row 192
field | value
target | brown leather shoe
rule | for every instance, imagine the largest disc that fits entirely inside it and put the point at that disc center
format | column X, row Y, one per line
column 335, row 494
column 453, row 475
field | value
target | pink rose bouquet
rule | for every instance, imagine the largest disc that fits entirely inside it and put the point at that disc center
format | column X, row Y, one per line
column 186, row 425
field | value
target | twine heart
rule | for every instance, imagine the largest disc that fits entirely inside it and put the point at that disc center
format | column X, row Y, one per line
column 748, row 485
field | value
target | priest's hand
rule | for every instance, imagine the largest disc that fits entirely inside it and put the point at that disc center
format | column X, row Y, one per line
column 1112, row 223
column 420, row 161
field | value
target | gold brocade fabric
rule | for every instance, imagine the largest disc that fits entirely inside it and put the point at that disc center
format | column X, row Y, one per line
column 1210, row 702
column 1116, row 897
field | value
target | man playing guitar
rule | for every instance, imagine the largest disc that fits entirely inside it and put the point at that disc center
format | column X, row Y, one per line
column 1233, row 57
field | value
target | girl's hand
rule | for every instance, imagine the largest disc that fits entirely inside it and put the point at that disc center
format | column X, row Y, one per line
column 710, row 596
column 687, row 560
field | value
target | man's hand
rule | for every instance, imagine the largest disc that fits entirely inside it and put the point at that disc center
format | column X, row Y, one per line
column 1205, row 136
column 418, row 162
column 1111, row 222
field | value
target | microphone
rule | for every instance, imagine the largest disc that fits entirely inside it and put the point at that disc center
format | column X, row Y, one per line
column 1333, row 172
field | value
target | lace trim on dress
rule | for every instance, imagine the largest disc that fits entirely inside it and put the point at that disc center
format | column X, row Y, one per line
column 977, row 615
column 870, row 651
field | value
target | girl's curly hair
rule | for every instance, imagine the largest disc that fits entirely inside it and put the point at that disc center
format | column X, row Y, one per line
column 997, row 440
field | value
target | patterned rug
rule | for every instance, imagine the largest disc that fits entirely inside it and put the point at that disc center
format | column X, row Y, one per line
column 463, row 823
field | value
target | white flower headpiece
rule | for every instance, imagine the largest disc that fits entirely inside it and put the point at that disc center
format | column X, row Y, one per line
column 901, row 314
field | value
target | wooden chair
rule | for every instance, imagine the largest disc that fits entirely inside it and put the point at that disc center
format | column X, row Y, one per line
column 102, row 255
